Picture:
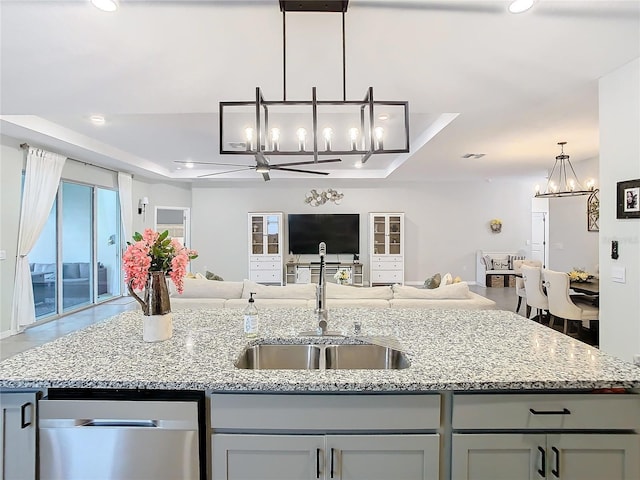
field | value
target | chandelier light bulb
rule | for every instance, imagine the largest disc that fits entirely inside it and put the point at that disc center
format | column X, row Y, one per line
column 572, row 185
column 302, row 137
column 354, row 133
column 591, row 184
column 537, row 189
column 275, row 139
column 379, row 133
column 327, row 133
column 248, row 135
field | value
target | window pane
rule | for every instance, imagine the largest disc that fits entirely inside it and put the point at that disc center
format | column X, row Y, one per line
column 108, row 243
column 43, row 263
column 77, row 271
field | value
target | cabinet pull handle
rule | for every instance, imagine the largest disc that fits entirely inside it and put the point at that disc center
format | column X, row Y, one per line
column 556, row 471
column 23, row 409
column 543, row 462
column 317, row 463
column 331, row 468
column 564, row 411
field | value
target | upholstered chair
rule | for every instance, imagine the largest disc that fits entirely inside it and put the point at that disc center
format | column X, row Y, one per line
column 535, row 294
column 520, row 290
column 561, row 305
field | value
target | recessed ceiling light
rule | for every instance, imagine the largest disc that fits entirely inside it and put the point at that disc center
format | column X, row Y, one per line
column 189, row 164
column 106, row 5
column 519, row 6
column 97, row 119
column 358, row 164
column 383, row 116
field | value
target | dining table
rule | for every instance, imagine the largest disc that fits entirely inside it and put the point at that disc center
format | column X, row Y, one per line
column 590, row 287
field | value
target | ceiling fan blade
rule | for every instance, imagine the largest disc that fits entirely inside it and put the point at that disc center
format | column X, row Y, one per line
column 307, row 162
column 208, row 163
column 228, row 171
column 275, row 167
column 266, row 176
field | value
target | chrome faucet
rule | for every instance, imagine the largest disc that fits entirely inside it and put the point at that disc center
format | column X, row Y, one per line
column 321, row 294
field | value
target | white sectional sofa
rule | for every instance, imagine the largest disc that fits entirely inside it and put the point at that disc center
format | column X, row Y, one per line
column 208, row 294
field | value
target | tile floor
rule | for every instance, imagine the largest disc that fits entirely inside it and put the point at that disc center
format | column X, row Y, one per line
column 34, row 336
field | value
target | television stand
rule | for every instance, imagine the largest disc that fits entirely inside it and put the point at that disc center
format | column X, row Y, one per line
column 298, row 272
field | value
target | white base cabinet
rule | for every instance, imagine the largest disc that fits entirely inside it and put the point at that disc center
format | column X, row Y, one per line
column 341, row 457
column 564, row 456
column 18, row 435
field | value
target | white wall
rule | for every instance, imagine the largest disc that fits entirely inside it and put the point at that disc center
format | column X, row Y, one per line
column 571, row 245
column 11, row 163
column 445, row 222
column 620, row 154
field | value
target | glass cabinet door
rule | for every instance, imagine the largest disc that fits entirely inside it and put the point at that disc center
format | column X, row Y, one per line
column 379, row 235
column 257, row 233
column 273, row 229
column 394, row 235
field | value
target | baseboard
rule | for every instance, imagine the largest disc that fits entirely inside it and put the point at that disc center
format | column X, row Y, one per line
column 5, row 334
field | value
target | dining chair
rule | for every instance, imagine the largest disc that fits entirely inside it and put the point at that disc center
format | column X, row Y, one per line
column 561, row 305
column 536, row 297
column 520, row 290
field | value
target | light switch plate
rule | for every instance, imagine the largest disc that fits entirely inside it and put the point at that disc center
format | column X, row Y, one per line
column 619, row 274
column 3, row 254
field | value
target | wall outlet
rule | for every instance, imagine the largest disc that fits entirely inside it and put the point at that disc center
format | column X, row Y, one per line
column 636, row 359
column 3, row 254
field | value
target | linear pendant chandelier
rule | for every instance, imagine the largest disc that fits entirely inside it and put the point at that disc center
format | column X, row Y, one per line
column 564, row 182
column 314, row 127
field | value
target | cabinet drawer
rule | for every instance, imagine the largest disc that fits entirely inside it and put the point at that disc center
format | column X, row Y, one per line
column 562, row 411
column 386, row 266
column 265, row 266
column 386, row 276
column 325, row 412
column 266, row 275
column 266, row 258
column 386, row 258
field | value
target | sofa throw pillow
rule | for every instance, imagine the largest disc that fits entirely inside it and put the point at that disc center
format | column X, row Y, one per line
column 350, row 292
column 488, row 262
column 513, row 258
column 212, row 276
column 453, row 291
column 203, row 288
column 433, row 282
column 447, row 279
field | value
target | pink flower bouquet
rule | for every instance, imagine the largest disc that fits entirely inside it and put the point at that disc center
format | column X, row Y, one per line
column 155, row 252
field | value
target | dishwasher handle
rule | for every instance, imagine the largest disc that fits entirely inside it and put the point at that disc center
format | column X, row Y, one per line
column 117, row 422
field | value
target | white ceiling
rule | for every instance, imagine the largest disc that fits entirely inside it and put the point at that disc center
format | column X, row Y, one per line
column 477, row 79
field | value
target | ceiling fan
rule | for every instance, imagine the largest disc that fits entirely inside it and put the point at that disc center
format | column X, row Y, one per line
column 263, row 166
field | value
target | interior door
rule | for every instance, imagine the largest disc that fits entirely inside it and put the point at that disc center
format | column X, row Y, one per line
column 176, row 220
column 540, row 237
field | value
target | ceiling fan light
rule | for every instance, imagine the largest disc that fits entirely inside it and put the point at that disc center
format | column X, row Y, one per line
column 520, row 6
column 262, row 169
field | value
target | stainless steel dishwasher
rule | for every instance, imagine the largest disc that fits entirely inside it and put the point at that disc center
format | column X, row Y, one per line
column 121, row 435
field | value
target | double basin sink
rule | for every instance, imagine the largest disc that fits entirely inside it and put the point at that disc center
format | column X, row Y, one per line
column 321, row 357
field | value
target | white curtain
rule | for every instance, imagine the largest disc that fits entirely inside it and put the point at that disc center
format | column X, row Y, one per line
column 41, row 180
column 125, row 192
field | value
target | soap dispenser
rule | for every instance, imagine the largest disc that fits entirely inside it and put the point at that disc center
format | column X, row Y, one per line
column 251, row 318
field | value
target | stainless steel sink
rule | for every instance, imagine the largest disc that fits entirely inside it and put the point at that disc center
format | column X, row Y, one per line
column 321, row 357
column 364, row 357
column 286, row 357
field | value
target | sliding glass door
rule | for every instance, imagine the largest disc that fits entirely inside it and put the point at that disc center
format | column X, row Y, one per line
column 76, row 260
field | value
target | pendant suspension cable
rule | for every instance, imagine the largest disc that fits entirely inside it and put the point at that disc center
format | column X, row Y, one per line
column 344, row 63
column 284, row 56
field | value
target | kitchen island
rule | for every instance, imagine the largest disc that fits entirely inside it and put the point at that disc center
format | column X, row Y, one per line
column 485, row 392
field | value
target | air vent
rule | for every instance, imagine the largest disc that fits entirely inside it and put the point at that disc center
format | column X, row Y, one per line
column 473, row 155
column 237, row 145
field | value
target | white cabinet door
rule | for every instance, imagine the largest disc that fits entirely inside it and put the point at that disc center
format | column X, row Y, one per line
column 18, row 436
column 593, row 456
column 386, row 248
column 383, row 457
column 267, row 457
column 265, row 247
column 498, row 456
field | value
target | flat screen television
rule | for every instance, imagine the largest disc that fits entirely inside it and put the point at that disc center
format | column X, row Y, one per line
column 340, row 231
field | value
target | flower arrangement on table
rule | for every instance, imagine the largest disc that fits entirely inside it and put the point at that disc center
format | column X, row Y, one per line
column 343, row 275
column 579, row 275
column 155, row 252
column 495, row 224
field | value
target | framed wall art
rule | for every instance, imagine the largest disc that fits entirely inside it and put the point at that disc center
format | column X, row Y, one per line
column 628, row 199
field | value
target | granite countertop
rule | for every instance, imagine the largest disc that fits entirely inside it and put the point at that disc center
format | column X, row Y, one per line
column 448, row 350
